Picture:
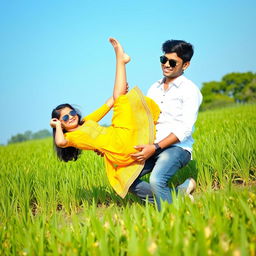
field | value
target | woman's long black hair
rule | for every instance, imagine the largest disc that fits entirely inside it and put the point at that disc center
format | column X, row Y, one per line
column 69, row 153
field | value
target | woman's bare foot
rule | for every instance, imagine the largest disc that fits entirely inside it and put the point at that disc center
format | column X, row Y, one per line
column 119, row 50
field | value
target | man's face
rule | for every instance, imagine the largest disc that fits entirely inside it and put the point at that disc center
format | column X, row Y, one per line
column 173, row 72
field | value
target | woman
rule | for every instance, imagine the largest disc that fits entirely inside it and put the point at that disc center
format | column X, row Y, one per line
column 133, row 123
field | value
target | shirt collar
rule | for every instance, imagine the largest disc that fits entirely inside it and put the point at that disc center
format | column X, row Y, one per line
column 176, row 82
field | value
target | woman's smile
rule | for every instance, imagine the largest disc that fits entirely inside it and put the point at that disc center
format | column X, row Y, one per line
column 72, row 120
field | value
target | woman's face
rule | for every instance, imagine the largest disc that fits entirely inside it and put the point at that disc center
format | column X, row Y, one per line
column 68, row 118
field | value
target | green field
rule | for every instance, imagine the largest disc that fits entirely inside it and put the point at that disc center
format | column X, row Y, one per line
column 53, row 208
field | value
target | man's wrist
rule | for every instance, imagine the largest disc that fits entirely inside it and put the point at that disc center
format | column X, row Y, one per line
column 157, row 147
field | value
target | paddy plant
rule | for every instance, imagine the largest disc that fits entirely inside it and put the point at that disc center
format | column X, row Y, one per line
column 49, row 207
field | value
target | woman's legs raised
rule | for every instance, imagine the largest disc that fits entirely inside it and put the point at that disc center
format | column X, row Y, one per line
column 121, row 59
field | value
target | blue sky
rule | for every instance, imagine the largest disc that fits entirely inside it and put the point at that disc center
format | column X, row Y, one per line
column 53, row 52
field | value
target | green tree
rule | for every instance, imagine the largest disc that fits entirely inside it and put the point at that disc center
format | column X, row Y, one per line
column 249, row 92
column 234, row 87
column 17, row 138
column 41, row 134
column 211, row 87
column 28, row 135
column 216, row 101
column 214, row 95
column 235, row 84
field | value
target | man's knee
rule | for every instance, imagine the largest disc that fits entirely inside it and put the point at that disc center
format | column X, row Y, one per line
column 164, row 156
column 157, row 182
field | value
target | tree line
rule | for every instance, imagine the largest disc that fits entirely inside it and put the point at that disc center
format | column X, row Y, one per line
column 233, row 88
column 28, row 135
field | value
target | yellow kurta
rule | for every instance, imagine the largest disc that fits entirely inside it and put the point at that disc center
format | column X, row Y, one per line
column 133, row 123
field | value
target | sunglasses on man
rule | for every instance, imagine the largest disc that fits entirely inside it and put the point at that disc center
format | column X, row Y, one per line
column 71, row 113
column 164, row 59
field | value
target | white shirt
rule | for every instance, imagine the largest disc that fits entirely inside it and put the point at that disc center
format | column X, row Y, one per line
column 179, row 106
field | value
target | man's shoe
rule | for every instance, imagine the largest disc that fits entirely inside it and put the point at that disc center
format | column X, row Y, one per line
column 188, row 187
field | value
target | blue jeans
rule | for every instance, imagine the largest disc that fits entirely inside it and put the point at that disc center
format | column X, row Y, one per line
column 162, row 165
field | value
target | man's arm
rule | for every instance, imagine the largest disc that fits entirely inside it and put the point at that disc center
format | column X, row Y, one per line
column 147, row 151
column 192, row 101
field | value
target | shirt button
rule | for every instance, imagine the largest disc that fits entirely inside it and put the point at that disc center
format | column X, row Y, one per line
column 162, row 102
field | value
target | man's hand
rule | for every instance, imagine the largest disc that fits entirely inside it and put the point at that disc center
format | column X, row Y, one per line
column 146, row 151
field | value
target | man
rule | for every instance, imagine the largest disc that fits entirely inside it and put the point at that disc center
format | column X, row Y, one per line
column 179, row 100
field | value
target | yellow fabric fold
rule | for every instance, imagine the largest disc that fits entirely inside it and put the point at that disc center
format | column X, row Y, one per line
column 141, row 114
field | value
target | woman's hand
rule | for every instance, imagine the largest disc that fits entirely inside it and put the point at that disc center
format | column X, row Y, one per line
column 127, row 88
column 110, row 102
column 99, row 153
column 55, row 122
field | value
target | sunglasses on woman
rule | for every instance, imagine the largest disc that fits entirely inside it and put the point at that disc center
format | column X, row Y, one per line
column 164, row 59
column 71, row 113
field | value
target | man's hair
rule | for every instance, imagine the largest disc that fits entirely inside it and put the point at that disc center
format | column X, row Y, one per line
column 183, row 49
